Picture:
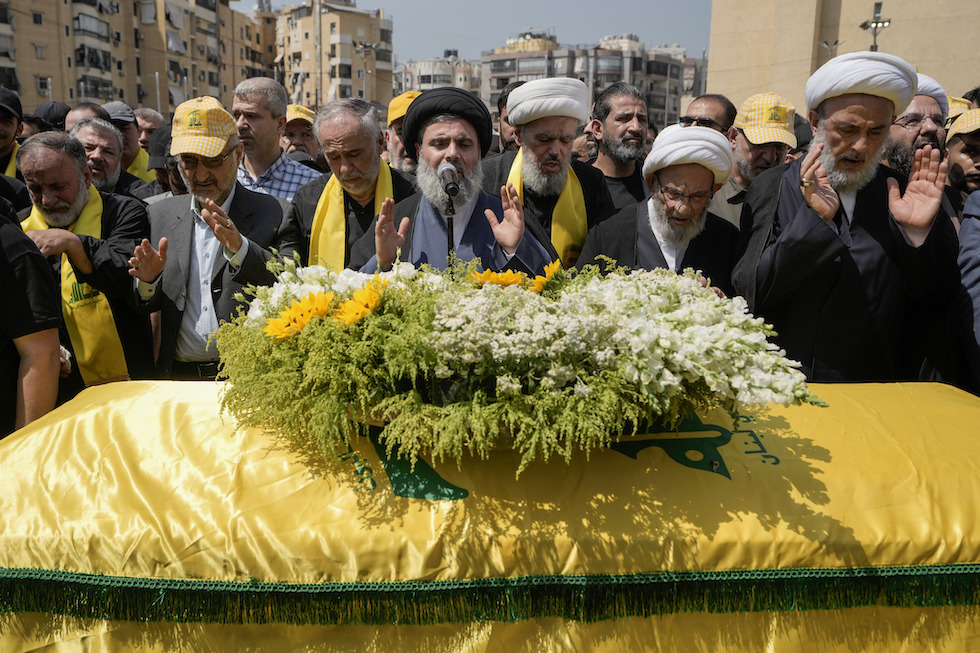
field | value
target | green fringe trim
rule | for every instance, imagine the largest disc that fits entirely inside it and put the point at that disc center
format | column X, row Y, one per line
column 579, row 598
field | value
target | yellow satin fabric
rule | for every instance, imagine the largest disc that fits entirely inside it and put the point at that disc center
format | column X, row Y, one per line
column 139, row 167
column 328, row 235
column 86, row 311
column 569, row 220
column 869, row 630
column 145, row 479
column 11, row 170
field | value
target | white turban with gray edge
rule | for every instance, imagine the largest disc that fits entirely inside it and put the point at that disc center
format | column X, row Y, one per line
column 544, row 98
column 929, row 86
column 869, row 73
column 704, row 146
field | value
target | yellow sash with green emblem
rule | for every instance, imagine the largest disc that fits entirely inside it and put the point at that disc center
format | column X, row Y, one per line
column 11, row 170
column 328, row 236
column 569, row 220
column 88, row 317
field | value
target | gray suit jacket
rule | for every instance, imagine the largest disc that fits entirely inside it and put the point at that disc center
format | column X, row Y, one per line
column 258, row 217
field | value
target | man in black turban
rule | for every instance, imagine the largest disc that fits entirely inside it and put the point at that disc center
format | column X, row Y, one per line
column 449, row 125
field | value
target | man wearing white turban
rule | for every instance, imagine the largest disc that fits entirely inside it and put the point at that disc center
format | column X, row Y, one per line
column 847, row 259
column 565, row 197
column 673, row 228
column 922, row 123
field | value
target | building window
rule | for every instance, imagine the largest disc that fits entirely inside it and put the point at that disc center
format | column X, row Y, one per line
column 7, row 45
column 41, row 50
column 91, row 26
column 43, row 86
column 333, row 28
column 386, row 36
column 38, row 18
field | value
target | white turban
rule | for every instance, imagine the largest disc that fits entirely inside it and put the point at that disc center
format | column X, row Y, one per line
column 870, row 73
column 542, row 98
column 704, row 146
column 929, row 86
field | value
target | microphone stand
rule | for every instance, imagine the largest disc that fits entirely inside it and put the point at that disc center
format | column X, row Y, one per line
column 450, row 214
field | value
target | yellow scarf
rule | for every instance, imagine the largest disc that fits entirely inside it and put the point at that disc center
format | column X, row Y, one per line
column 569, row 221
column 328, row 236
column 88, row 317
column 11, row 170
column 139, row 167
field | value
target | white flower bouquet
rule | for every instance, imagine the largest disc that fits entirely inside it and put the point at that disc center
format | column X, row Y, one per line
column 459, row 361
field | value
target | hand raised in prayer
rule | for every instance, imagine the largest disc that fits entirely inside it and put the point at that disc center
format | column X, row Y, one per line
column 509, row 231
column 147, row 263
column 916, row 210
column 817, row 191
column 387, row 241
column 224, row 229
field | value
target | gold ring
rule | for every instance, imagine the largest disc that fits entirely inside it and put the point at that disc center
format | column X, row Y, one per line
column 805, row 182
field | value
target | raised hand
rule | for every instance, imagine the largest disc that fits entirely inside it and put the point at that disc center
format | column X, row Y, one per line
column 387, row 241
column 916, row 210
column 147, row 263
column 224, row 229
column 817, row 191
column 509, row 231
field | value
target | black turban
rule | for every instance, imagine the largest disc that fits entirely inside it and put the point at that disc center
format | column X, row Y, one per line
column 454, row 101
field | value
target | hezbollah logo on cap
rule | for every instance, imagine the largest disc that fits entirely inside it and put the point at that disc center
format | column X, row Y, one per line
column 777, row 113
column 194, row 119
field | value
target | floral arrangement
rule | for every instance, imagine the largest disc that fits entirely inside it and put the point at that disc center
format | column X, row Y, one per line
column 463, row 361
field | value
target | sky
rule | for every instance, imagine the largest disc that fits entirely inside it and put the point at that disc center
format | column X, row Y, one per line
column 424, row 28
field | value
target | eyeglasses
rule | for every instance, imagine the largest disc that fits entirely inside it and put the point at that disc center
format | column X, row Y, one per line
column 676, row 197
column 191, row 161
column 913, row 121
column 687, row 121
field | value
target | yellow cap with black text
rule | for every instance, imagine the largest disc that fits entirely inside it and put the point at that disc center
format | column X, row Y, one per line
column 201, row 126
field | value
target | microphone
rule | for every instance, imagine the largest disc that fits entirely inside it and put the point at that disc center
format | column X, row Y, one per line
column 449, row 176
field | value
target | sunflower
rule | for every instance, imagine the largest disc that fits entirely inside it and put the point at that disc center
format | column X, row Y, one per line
column 549, row 273
column 364, row 300
column 293, row 319
column 507, row 278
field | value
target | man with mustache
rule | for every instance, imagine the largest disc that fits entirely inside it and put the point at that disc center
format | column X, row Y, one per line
column 331, row 213
column 450, row 125
column 103, row 146
column 208, row 246
column 963, row 148
column 259, row 108
column 921, row 123
column 854, row 265
column 565, row 197
column 761, row 136
column 673, row 229
column 87, row 237
column 619, row 123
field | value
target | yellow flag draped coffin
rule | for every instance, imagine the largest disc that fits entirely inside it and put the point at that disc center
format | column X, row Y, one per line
column 138, row 502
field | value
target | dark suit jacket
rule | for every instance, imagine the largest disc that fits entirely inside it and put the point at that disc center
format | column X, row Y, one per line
column 257, row 216
column 628, row 238
column 297, row 229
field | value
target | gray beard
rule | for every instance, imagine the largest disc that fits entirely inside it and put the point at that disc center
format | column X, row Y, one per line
column 540, row 183
column 107, row 184
column 70, row 213
column 621, row 152
column 842, row 181
column 745, row 170
column 433, row 189
column 673, row 234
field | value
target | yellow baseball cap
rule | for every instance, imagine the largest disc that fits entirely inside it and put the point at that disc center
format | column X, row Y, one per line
column 299, row 112
column 201, row 126
column 967, row 123
column 767, row 118
column 957, row 105
column 399, row 105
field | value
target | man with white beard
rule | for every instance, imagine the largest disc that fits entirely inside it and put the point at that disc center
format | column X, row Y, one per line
column 673, row 228
column 567, row 198
column 87, row 238
column 449, row 125
column 853, row 269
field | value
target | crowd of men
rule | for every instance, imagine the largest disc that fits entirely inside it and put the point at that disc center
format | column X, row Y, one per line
column 126, row 238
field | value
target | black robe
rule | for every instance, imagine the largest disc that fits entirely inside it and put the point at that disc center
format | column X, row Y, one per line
column 860, row 306
column 628, row 238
